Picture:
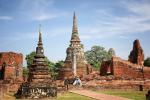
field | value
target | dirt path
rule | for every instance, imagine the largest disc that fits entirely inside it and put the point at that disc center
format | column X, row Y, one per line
column 97, row 96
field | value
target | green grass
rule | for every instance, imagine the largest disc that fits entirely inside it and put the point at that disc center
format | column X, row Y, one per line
column 131, row 94
column 65, row 96
column 72, row 96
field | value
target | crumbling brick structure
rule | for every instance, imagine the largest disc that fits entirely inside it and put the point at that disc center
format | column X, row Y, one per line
column 136, row 55
column 11, row 66
column 132, row 69
column 11, row 70
column 124, row 69
column 75, row 62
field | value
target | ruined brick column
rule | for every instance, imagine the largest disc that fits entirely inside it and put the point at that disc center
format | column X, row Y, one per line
column 136, row 55
column 11, row 66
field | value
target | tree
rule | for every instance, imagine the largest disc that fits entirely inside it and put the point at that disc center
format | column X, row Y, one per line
column 58, row 65
column 30, row 57
column 111, row 52
column 25, row 71
column 97, row 54
column 50, row 64
column 56, row 69
column 147, row 62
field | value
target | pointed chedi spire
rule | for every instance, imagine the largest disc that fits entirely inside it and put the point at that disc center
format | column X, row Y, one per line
column 75, row 36
column 74, row 29
column 39, row 48
column 40, row 36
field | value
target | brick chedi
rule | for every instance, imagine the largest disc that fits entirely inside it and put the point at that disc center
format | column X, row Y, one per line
column 136, row 55
column 75, row 62
column 11, row 66
column 39, row 83
column 38, row 71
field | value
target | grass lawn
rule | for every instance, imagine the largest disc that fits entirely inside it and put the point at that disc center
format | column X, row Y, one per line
column 8, row 96
column 131, row 94
column 65, row 96
column 72, row 96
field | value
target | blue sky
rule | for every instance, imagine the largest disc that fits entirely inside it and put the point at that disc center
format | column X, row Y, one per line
column 108, row 23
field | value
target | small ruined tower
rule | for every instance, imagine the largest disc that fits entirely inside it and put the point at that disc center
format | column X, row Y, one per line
column 137, row 54
column 75, row 62
column 38, row 71
column 39, row 83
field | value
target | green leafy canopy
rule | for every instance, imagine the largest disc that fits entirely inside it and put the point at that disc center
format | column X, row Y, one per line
column 97, row 54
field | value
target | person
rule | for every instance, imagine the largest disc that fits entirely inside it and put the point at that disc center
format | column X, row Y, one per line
column 66, row 83
column 148, row 95
column 77, row 81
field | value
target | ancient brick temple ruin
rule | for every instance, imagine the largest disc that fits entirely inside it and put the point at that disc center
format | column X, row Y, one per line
column 39, row 83
column 75, row 62
column 11, row 68
column 123, row 69
column 136, row 55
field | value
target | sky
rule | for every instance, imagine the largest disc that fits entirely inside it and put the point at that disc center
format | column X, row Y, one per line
column 108, row 23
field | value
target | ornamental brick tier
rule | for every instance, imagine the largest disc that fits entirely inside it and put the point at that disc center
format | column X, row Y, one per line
column 75, row 62
column 39, row 83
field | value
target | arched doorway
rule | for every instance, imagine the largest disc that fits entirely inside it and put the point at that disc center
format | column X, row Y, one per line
column 2, row 71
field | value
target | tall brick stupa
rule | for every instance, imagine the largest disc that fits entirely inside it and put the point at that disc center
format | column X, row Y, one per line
column 75, row 62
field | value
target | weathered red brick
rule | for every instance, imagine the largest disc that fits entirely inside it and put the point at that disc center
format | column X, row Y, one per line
column 124, row 69
column 11, row 65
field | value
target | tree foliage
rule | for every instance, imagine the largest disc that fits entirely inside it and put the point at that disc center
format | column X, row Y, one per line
column 111, row 52
column 58, row 65
column 25, row 71
column 30, row 57
column 147, row 62
column 97, row 54
column 56, row 69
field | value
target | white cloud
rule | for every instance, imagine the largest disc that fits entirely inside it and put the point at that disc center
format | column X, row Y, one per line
column 108, row 23
column 5, row 18
column 48, row 16
column 44, row 17
column 85, row 37
column 123, row 37
column 40, row 10
column 34, row 35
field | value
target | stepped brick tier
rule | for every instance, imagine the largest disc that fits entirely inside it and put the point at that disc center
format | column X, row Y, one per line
column 136, row 55
column 39, row 83
column 75, row 62
column 124, row 69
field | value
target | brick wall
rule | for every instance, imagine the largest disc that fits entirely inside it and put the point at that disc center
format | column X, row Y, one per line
column 11, row 65
column 124, row 69
column 82, row 69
